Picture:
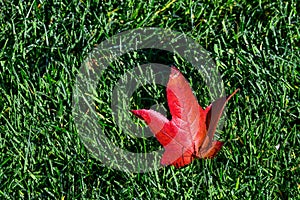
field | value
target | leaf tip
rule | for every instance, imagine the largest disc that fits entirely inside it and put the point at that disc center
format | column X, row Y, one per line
column 174, row 72
column 138, row 113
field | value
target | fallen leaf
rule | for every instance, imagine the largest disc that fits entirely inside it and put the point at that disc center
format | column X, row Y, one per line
column 189, row 134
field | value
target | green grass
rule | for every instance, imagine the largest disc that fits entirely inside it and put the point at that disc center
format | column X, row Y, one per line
column 256, row 46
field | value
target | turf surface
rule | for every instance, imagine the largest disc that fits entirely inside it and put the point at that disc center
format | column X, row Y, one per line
column 256, row 46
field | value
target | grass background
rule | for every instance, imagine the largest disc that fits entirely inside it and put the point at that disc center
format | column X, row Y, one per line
column 255, row 45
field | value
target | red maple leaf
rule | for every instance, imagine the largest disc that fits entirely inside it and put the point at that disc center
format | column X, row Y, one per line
column 189, row 134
